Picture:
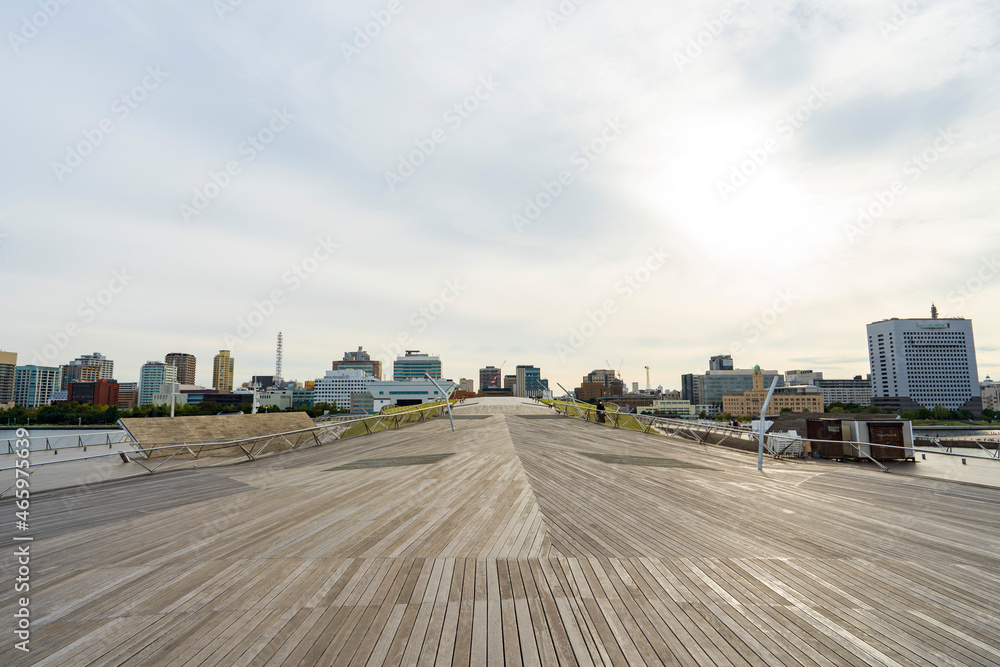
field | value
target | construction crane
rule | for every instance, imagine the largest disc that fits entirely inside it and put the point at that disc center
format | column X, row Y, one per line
column 649, row 387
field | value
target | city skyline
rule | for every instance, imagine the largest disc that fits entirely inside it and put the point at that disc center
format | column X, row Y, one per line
column 205, row 373
column 561, row 189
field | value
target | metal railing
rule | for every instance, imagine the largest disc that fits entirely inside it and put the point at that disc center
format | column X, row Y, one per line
column 689, row 430
column 57, row 442
column 251, row 446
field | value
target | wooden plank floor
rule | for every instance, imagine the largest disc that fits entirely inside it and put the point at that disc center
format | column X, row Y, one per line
column 517, row 549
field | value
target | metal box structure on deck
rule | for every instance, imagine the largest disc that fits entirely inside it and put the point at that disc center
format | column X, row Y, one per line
column 820, row 430
column 884, row 440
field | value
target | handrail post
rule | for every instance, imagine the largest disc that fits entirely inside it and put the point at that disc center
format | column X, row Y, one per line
column 446, row 401
column 763, row 411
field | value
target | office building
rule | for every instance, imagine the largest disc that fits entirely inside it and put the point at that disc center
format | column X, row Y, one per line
column 98, row 392
column 185, row 365
column 34, row 385
column 467, row 384
column 408, row 392
column 362, row 404
column 152, row 376
column 692, row 387
column 721, row 379
column 802, row 377
column 8, row 368
column 510, row 382
column 360, row 360
column 990, row 392
column 222, row 371
column 600, row 382
column 716, row 384
column 678, row 407
column 798, row 398
column 336, row 387
column 720, row 362
column 78, row 372
column 528, row 382
column 489, row 378
column 263, row 381
column 414, row 364
column 857, row 391
column 107, row 366
column 128, row 395
column 182, row 394
column 924, row 363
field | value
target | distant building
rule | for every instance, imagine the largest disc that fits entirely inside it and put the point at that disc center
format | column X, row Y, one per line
column 924, row 363
column 692, row 386
column 629, row 403
column 75, row 372
column 489, row 378
column 336, row 387
column 106, row 365
column 529, row 382
column 857, row 391
column 717, row 384
column 799, row 398
column 263, row 381
column 222, row 371
column 721, row 362
column 99, row 392
column 802, row 377
column 183, row 394
column 495, row 392
column 467, row 384
column 990, row 392
column 128, row 395
column 414, row 364
column 721, row 379
column 360, row 360
column 152, row 376
column 671, row 407
column 599, row 383
column 283, row 399
column 34, row 385
column 362, row 403
column 185, row 365
column 303, row 397
column 407, row 392
column 510, row 382
column 8, row 368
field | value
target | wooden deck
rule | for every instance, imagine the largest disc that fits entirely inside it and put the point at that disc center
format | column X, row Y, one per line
column 517, row 549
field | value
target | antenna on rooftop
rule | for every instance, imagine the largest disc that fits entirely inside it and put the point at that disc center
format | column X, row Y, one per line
column 934, row 312
column 277, row 361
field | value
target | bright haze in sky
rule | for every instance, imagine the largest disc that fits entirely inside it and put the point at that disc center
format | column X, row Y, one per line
column 560, row 184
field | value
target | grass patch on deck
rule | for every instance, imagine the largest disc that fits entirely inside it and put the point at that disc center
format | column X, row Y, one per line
column 394, row 462
column 648, row 461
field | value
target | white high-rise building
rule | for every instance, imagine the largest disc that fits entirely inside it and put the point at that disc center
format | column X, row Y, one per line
column 337, row 386
column 152, row 376
column 924, row 363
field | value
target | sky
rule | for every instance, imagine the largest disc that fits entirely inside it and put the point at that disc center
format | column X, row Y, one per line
column 566, row 184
